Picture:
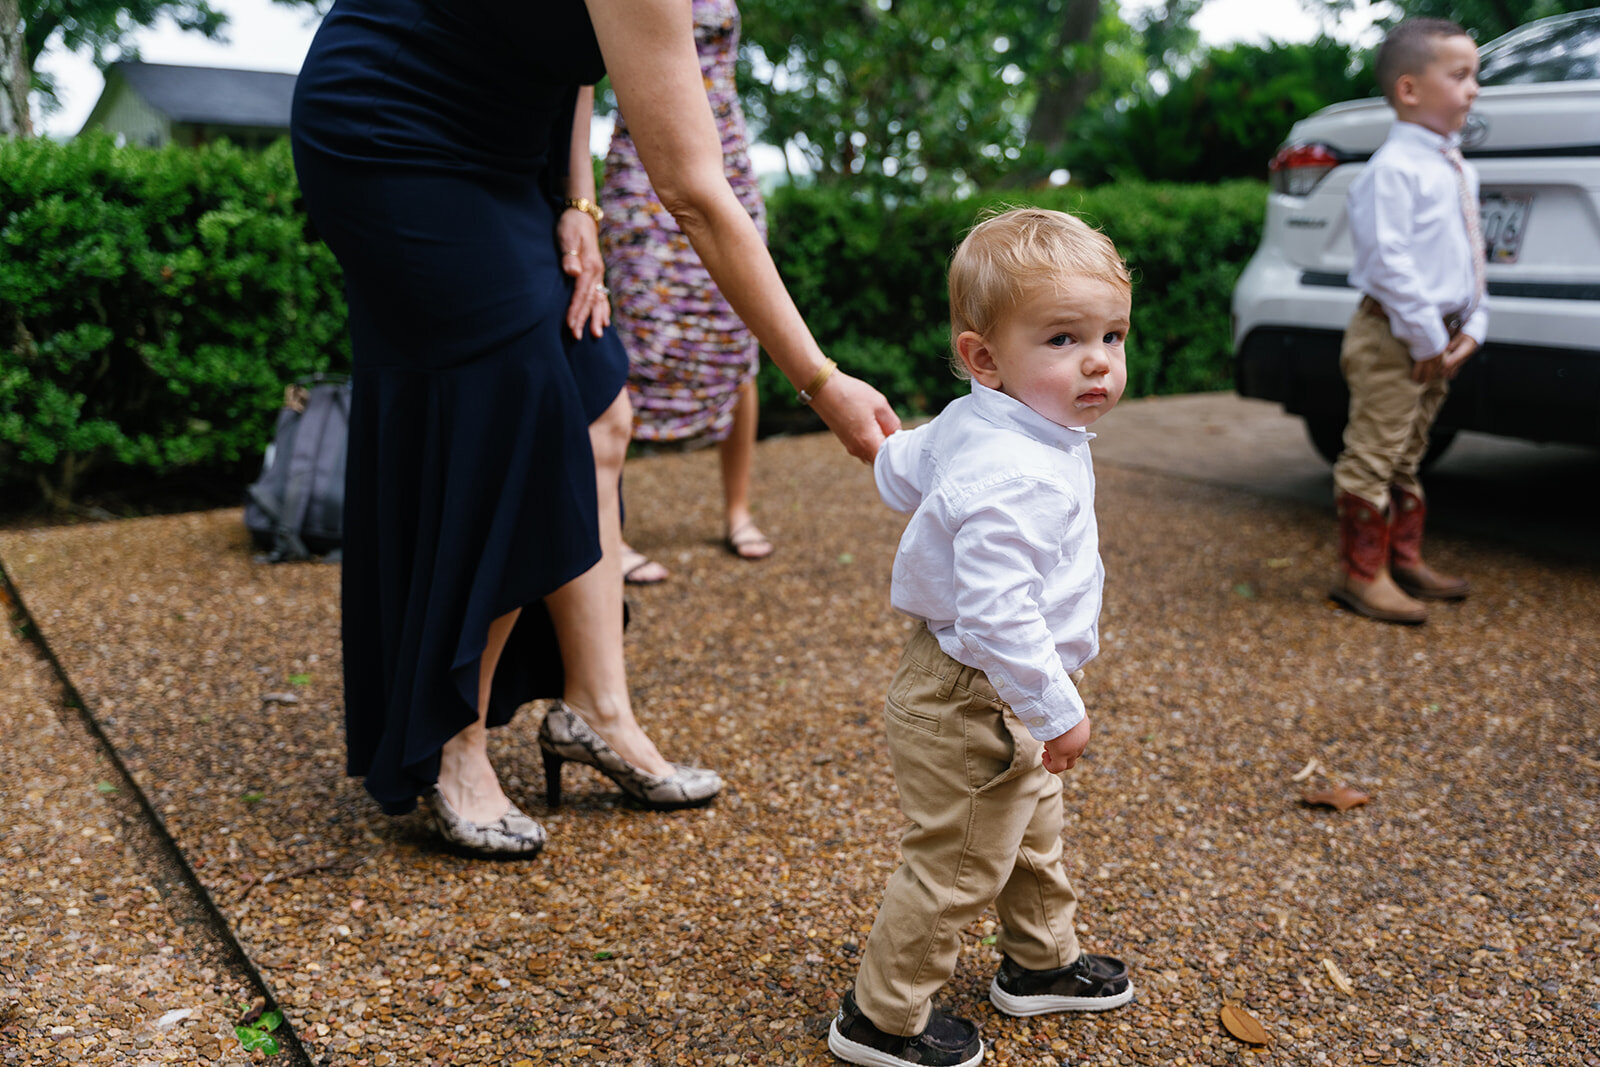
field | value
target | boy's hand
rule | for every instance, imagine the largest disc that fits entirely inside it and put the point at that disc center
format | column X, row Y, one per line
column 1446, row 363
column 1456, row 353
column 1060, row 753
column 1428, row 370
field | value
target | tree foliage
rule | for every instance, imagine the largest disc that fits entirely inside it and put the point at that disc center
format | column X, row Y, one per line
column 895, row 94
column 1484, row 19
column 1233, row 110
column 918, row 98
column 103, row 27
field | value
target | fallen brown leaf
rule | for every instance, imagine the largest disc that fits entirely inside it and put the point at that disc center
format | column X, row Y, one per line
column 1340, row 797
column 1337, row 977
column 1242, row 1025
column 257, row 1008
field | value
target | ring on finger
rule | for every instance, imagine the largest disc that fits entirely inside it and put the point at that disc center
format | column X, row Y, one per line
column 600, row 287
column 571, row 252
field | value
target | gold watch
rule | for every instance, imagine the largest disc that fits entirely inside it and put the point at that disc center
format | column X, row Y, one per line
column 585, row 205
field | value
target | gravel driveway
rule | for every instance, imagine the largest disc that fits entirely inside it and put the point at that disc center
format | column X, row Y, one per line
column 1453, row 919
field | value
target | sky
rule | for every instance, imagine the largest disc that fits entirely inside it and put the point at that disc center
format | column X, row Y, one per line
column 267, row 36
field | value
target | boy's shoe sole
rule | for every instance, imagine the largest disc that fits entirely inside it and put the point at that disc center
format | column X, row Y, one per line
column 1045, row 1003
column 866, row 1056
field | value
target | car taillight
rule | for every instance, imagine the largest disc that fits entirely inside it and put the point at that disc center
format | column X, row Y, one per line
column 1297, row 168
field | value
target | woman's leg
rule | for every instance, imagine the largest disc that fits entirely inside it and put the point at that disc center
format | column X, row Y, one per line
column 737, row 452
column 587, row 611
column 466, row 778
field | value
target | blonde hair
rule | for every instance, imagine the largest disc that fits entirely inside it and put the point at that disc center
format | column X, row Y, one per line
column 1010, row 254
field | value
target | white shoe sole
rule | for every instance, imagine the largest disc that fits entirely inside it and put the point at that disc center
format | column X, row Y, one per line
column 1045, row 1003
column 866, row 1056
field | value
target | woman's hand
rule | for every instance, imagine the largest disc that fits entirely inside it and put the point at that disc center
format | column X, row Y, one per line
column 578, row 236
column 857, row 414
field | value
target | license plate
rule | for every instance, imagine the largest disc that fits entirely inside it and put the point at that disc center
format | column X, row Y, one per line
column 1505, row 219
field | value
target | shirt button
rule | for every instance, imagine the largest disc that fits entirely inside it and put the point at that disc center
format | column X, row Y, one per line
column 1037, row 720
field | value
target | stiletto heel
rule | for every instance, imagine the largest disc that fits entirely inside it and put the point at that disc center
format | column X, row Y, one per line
column 565, row 736
column 552, row 775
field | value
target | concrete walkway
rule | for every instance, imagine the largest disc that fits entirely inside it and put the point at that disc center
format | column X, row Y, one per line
column 1539, row 498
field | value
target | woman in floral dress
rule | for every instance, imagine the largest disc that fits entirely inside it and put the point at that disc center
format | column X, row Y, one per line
column 692, row 362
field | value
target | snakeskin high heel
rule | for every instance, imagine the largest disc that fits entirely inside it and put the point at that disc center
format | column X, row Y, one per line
column 512, row 836
column 563, row 736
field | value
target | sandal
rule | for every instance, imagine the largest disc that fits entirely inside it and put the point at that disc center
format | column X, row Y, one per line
column 747, row 542
column 640, row 569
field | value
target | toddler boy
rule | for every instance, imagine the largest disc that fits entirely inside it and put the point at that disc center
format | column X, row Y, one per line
column 1419, row 263
column 1000, row 561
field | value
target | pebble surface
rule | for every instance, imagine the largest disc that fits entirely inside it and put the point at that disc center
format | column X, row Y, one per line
column 99, row 963
column 1453, row 919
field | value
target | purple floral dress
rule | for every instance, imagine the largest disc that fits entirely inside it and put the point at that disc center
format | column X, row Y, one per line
column 688, row 353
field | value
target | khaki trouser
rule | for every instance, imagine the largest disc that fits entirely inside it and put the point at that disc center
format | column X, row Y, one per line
column 986, row 824
column 1390, row 415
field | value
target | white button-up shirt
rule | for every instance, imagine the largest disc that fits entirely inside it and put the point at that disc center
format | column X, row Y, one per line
column 1412, row 254
column 1001, row 557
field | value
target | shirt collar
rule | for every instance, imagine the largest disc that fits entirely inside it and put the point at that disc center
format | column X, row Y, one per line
column 1003, row 410
column 1419, row 134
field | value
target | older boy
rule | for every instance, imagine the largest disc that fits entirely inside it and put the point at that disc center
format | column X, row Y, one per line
column 1419, row 263
column 1000, row 562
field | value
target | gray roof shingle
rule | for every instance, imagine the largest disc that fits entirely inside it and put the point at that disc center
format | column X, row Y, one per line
column 212, row 95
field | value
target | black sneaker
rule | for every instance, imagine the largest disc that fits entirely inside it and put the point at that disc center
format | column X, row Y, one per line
column 1089, row 983
column 945, row 1042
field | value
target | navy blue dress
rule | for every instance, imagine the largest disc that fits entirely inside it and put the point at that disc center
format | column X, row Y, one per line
column 431, row 139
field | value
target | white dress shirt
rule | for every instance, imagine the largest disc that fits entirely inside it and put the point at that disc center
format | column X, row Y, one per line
column 1412, row 254
column 1001, row 557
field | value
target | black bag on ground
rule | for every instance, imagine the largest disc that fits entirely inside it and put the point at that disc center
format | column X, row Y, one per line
column 295, row 509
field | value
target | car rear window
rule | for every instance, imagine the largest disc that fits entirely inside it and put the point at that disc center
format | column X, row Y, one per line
column 1553, row 50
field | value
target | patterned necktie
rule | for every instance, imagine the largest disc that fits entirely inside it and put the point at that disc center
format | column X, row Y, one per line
column 1469, row 211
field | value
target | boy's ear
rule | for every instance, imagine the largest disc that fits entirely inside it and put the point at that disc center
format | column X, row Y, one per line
column 978, row 358
column 1405, row 90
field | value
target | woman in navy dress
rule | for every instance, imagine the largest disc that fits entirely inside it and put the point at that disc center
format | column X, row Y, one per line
column 442, row 152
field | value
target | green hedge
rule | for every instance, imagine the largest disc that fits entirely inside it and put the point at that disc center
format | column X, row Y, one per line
column 154, row 304
column 152, row 307
column 870, row 280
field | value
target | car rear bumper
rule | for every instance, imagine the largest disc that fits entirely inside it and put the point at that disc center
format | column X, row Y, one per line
column 1544, row 313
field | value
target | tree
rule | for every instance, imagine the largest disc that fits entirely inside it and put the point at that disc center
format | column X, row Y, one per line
column 14, row 118
column 1092, row 69
column 884, row 93
column 895, row 94
column 1484, row 19
column 1068, row 72
column 1233, row 110
column 99, row 27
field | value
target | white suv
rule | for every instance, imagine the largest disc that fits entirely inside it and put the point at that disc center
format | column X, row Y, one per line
column 1534, row 135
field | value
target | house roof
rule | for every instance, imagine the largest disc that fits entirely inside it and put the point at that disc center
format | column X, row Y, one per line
column 211, row 95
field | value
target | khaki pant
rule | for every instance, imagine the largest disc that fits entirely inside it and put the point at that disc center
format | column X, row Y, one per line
column 986, row 824
column 1390, row 415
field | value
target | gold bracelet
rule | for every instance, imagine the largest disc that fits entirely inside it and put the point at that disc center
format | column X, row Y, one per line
column 809, row 393
column 585, row 205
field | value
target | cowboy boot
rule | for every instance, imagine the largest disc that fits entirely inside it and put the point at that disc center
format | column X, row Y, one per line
column 1364, row 584
column 1407, row 513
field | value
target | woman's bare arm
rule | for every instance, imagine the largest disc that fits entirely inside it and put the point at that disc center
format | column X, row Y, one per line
column 577, row 232
column 655, row 72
